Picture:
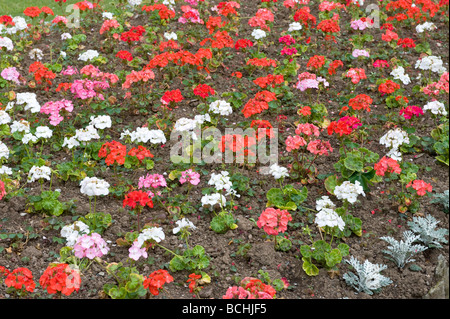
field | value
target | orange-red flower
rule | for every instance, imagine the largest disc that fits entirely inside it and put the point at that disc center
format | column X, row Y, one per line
column 32, row 12
column 60, row 278
column 21, row 278
column 361, row 102
column 114, row 152
column 135, row 198
column 140, row 152
column 316, row 62
column 193, row 282
column 388, row 87
column 156, row 280
column 387, row 164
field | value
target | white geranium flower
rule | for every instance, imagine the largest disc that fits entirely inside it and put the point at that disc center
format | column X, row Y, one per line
column 278, row 171
column 20, row 126
column 4, row 151
column 86, row 134
column 72, row 232
column 426, row 26
column 38, row 172
column 43, row 132
column 5, row 170
column 7, row 43
column 101, row 122
column 221, row 107
column 295, row 26
column 70, row 142
column 88, row 55
column 36, row 54
column 433, row 63
column 328, row 217
column 436, row 107
column 213, row 199
column 93, row 186
column 324, row 202
column 399, row 74
column 4, row 117
column 170, row 36
column 183, row 223
column 259, row 34
column 348, row 191
column 28, row 137
column 30, row 101
column 66, row 36
column 153, row 233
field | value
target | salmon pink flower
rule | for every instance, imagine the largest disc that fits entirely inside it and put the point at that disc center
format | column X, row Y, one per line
column 274, row 221
column 420, row 186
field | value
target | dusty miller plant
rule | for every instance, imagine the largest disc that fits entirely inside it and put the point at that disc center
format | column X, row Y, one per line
column 425, row 228
column 402, row 251
column 368, row 277
column 442, row 198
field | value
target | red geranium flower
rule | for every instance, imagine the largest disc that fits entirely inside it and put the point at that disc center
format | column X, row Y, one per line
column 21, row 278
column 60, row 278
column 135, row 198
column 114, row 152
column 32, row 12
column 124, row 55
column 156, row 280
column 140, row 152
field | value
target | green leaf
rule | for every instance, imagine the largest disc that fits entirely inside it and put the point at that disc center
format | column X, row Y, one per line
column 353, row 162
column 117, row 293
column 306, row 251
column 344, row 249
column 275, row 196
column 333, row 258
column 177, row 263
column 331, row 183
column 321, row 248
column 198, row 250
column 298, row 196
column 309, row 268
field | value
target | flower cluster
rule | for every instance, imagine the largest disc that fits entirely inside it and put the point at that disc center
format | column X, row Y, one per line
column 90, row 246
column 156, row 281
column 349, row 191
column 274, row 221
column 250, row 288
column 60, row 278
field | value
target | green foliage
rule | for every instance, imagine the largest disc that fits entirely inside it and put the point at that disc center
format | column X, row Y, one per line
column 322, row 253
column 223, row 222
column 192, row 260
column 283, row 244
column 98, row 222
column 48, row 203
column 288, row 198
column 70, row 171
column 357, row 165
column 441, row 145
column 129, row 282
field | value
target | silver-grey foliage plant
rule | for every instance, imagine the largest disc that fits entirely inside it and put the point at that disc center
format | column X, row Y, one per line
column 402, row 251
column 425, row 228
column 367, row 278
column 442, row 198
